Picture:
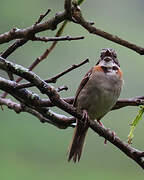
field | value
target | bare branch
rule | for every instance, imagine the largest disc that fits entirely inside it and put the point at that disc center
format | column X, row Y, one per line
column 91, row 29
column 40, row 84
column 134, row 154
column 19, row 70
column 62, row 88
column 57, row 120
column 131, row 152
column 62, row 38
column 18, row 108
column 135, row 101
column 16, row 33
column 56, row 77
column 18, row 43
column 74, row 66
column 42, row 16
column 11, row 105
column 21, row 42
column 33, row 101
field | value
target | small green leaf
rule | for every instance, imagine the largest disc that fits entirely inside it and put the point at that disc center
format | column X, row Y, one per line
column 134, row 123
column 79, row 2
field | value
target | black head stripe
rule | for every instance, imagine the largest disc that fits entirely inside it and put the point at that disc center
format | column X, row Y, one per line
column 110, row 53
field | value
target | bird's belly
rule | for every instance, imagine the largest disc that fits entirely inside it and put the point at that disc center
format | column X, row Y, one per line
column 101, row 104
column 98, row 98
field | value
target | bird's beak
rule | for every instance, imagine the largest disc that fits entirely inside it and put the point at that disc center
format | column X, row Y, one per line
column 107, row 62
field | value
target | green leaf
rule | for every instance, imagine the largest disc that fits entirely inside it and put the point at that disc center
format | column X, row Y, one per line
column 79, row 2
column 134, row 123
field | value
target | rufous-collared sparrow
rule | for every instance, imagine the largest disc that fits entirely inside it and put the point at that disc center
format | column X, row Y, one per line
column 96, row 95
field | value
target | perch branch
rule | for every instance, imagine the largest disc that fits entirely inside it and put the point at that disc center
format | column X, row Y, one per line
column 23, row 108
column 134, row 101
column 136, row 155
column 33, row 101
column 54, row 98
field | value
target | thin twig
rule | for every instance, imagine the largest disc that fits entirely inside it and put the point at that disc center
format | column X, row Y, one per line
column 62, row 88
column 17, row 44
column 62, row 38
column 135, row 101
column 54, row 79
column 42, row 16
column 91, row 29
column 20, row 42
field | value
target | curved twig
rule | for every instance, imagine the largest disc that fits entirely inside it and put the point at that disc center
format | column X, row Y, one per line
column 91, row 29
column 56, row 77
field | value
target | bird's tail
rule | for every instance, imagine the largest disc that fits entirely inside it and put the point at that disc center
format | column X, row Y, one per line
column 76, row 146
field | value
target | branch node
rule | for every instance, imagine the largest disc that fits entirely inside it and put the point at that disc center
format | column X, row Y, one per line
column 12, row 31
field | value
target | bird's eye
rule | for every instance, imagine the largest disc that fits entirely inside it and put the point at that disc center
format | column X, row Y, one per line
column 115, row 68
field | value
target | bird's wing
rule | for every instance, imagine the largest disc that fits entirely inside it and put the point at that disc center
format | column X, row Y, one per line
column 82, row 84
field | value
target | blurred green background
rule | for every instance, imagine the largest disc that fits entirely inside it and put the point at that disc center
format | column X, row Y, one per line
column 31, row 150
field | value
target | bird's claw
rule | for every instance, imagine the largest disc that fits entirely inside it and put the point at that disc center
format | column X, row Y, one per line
column 85, row 118
column 113, row 136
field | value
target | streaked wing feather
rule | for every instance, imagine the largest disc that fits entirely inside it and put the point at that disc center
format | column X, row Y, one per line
column 82, row 84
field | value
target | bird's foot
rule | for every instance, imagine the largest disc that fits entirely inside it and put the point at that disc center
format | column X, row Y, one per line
column 85, row 117
column 113, row 136
column 100, row 123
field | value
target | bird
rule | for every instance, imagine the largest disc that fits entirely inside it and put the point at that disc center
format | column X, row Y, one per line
column 96, row 95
